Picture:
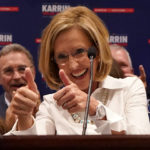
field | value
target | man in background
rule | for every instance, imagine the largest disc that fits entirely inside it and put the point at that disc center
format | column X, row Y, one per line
column 122, row 57
column 14, row 59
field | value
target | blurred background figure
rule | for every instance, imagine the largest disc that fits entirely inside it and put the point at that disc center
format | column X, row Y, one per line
column 14, row 59
column 122, row 57
column 116, row 71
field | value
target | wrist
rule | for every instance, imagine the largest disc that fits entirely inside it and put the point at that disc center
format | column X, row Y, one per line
column 100, row 113
column 93, row 105
column 24, row 122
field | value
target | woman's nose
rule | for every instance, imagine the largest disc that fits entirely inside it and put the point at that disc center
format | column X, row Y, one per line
column 73, row 64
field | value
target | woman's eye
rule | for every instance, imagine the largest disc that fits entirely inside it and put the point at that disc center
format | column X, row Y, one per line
column 79, row 51
column 62, row 56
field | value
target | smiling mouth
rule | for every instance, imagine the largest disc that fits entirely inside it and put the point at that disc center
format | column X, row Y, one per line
column 18, row 85
column 79, row 74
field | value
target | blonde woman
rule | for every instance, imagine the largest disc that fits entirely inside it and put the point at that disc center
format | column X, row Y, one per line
column 117, row 106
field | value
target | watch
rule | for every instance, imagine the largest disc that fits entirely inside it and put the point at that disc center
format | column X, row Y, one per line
column 100, row 112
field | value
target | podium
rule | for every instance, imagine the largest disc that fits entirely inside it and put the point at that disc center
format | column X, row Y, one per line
column 77, row 142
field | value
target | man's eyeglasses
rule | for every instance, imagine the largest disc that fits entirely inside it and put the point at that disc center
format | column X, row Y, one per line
column 78, row 55
column 10, row 70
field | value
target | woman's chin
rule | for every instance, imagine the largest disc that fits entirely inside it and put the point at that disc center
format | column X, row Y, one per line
column 83, row 88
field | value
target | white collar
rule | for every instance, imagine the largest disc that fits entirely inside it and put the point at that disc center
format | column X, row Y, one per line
column 6, row 100
column 109, row 83
column 112, row 83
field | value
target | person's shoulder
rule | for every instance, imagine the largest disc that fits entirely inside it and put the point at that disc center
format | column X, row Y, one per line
column 132, row 82
column 2, row 98
column 48, row 98
column 2, row 95
column 117, row 83
column 131, row 79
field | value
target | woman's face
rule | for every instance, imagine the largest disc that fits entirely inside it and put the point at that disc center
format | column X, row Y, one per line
column 70, row 52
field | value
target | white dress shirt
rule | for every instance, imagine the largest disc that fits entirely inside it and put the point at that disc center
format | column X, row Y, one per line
column 126, row 109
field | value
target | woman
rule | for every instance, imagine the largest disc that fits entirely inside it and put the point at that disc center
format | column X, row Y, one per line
column 117, row 106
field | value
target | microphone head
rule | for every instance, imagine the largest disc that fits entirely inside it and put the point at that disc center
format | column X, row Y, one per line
column 92, row 52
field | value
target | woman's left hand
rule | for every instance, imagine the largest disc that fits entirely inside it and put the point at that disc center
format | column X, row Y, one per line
column 72, row 98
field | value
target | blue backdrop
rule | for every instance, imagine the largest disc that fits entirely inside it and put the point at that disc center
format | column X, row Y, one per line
column 128, row 22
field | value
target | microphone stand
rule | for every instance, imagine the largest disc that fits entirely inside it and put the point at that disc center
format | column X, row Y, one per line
column 88, row 97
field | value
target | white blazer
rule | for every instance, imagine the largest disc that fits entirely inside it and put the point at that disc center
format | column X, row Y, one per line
column 126, row 109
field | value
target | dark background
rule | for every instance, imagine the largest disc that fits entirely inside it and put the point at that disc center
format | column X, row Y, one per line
column 25, row 20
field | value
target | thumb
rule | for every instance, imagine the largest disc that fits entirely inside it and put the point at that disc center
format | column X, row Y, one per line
column 30, row 80
column 142, row 72
column 13, row 94
column 143, row 75
column 63, row 76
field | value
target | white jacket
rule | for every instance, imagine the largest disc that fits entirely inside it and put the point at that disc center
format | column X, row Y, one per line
column 126, row 109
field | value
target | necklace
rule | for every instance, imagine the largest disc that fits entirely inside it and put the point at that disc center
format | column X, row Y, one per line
column 77, row 119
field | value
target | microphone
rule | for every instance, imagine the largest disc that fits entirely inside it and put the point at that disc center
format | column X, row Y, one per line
column 92, row 52
column 91, row 55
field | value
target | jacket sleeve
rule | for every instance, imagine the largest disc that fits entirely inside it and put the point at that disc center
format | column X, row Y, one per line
column 43, row 124
column 135, row 119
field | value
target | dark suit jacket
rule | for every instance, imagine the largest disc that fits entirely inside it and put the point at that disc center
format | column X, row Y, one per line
column 3, row 106
column 148, row 92
column 148, row 97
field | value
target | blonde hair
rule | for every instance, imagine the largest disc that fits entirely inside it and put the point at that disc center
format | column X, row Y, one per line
column 91, row 24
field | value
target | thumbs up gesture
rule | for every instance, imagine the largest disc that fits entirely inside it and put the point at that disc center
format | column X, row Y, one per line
column 24, row 101
column 71, row 97
column 142, row 75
